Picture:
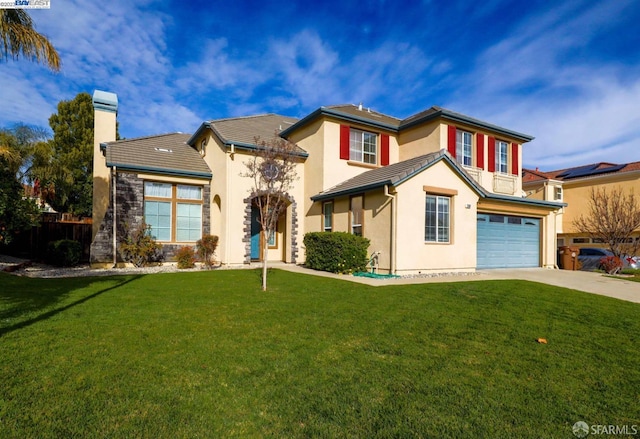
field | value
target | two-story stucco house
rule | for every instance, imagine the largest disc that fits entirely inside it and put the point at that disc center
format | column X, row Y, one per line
column 438, row 191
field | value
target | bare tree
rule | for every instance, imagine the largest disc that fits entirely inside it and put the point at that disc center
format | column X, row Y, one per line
column 273, row 170
column 612, row 218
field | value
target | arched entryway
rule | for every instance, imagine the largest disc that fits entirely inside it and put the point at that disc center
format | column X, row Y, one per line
column 283, row 245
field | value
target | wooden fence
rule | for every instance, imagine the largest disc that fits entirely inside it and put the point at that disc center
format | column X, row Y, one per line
column 33, row 245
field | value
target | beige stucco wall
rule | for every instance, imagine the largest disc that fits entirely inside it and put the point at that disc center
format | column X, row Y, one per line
column 422, row 139
column 432, row 137
column 414, row 255
column 323, row 168
column 577, row 194
column 104, row 126
column 229, row 189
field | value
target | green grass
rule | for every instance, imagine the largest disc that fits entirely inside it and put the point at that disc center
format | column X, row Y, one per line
column 208, row 354
column 631, row 271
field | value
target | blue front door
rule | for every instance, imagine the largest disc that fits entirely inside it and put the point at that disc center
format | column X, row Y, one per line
column 255, row 233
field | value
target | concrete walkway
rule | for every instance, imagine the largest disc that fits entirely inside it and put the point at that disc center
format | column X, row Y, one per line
column 595, row 283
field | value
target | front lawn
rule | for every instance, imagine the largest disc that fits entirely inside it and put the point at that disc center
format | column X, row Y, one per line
column 207, row 354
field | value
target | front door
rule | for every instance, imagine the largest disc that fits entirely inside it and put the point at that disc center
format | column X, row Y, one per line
column 255, row 234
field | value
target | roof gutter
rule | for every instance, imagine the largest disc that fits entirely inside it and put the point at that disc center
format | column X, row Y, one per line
column 252, row 147
column 461, row 118
column 163, row 171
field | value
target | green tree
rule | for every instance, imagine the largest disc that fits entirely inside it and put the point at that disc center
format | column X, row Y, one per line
column 27, row 149
column 17, row 211
column 72, row 150
column 19, row 37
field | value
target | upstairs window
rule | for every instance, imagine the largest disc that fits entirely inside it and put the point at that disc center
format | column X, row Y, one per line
column 464, row 149
column 502, row 157
column 363, row 146
column 557, row 193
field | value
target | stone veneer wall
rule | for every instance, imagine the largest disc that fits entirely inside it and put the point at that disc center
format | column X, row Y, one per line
column 130, row 205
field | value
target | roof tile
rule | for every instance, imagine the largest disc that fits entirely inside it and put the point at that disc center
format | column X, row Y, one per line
column 166, row 153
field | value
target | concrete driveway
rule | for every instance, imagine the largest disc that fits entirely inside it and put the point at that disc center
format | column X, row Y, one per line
column 589, row 282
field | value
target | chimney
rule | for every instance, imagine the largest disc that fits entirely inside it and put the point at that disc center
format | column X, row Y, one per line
column 105, row 108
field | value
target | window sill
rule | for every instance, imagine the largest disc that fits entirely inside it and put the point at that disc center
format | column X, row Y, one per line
column 362, row 164
column 437, row 243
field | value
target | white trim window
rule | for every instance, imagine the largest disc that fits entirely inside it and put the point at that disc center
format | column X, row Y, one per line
column 464, row 148
column 502, row 157
column 327, row 216
column 174, row 211
column 363, row 146
column 437, row 219
column 357, row 211
column 557, row 193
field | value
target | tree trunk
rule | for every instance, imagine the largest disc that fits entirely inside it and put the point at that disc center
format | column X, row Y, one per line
column 265, row 251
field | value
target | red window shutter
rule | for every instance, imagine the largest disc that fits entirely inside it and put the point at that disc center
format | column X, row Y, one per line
column 515, row 160
column 344, row 142
column 384, row 149
column 491, row 149
column 480, row 151
column 451, row 140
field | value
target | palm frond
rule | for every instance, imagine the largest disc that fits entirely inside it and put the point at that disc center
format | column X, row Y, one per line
column 18, row 37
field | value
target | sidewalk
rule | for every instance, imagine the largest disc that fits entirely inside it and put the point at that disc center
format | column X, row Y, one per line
column 595, row 283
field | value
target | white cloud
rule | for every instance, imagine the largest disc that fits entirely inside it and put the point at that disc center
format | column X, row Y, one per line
column 578, row 110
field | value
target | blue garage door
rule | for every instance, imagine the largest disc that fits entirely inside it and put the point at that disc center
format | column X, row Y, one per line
column 508, row 241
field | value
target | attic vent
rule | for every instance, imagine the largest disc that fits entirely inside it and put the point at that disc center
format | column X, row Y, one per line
column 163, row 149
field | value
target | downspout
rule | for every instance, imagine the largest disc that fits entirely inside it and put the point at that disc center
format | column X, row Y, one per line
column 115, row 217
column 227, row 226
column 393, row 235
column 555, row 232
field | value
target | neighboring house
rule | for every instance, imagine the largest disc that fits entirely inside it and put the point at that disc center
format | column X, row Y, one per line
column 438, row 191
column 573, row 186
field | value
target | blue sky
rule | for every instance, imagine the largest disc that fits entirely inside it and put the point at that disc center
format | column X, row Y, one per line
column 566, row 72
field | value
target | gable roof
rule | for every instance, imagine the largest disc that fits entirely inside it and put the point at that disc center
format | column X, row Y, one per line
column 393, row 175
column 242, row 131
column 583, row 171
column 349, row 113
column 439, row 112
column 164, row 154
column 358, row 114
column 397, row 173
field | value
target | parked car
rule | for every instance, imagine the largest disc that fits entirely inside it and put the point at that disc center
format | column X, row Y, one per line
column 590, row 258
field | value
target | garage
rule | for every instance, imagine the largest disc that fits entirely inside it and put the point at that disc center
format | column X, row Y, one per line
column 507, row 241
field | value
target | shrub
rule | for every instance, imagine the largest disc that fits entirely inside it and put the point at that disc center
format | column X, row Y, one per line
column 611, row 264
column 186, row 257
column 64, row 253
column 140, row 247
column 206, row 249
column 337, row 252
